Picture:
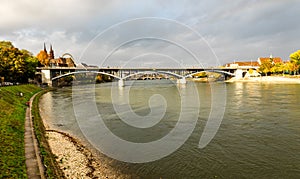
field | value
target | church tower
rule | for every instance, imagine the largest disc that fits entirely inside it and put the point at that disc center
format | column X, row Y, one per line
column 51, row 53
column 45, row 50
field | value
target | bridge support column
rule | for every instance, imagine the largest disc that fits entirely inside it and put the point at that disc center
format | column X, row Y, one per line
column 46, row 77
column 121, row 83
column 181, row 81
column 239, row 73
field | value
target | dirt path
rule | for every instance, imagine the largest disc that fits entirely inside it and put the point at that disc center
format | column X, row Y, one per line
column 34, row 166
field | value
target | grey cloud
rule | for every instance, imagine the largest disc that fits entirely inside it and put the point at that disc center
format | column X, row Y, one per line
column 232, row 29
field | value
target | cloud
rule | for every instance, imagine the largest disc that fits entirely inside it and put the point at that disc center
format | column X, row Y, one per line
column 229, row 30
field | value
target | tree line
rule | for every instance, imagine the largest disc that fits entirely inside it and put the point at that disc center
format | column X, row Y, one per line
column 16, row 65
column 291, row 67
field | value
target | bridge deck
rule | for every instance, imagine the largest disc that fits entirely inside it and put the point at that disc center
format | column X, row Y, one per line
column 134, row 68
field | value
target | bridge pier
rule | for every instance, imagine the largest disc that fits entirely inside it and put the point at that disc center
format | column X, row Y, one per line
column 121, row 83
column 239, row 73
column 46, row 77
column 181, row 81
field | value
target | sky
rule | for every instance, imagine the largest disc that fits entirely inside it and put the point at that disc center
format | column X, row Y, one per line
column 154, row 33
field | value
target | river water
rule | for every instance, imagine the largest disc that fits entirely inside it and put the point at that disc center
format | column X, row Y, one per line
column 259, row 136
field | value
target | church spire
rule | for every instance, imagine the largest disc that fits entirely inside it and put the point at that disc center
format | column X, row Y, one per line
column 51, row 53
column 45, row 50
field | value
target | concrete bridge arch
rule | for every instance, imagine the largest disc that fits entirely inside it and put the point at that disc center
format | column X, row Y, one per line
column 215, row 71
column 79, row 72
column 153, row 72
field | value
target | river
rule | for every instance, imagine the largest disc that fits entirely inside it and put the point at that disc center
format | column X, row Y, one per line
column 259, row 136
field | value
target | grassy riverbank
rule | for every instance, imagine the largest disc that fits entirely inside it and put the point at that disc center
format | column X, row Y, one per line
column 12, row 119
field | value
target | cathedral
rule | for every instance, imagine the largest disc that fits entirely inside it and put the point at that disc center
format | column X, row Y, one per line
column 48, row 60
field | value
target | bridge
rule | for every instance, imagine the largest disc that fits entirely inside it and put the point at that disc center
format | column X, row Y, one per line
column 51, row 74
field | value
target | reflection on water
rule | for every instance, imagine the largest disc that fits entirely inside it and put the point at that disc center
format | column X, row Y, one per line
column 259, row 136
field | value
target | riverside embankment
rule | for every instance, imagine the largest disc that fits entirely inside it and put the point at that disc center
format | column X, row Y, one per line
column 25, row 138
column 24, row 151
column 12, row 121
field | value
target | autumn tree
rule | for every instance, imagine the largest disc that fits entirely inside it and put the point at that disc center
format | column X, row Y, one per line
column 277, row 68
column 284, row 67
column 43, row 58
column 295, row 62
column 16, row 65
column 31, row 63
column 266, row 67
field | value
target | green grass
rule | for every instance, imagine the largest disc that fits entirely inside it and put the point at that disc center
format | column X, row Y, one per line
column 12, row 120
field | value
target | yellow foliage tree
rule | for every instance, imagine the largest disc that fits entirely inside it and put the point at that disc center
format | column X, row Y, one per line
column 43, row 58
column 295, row 62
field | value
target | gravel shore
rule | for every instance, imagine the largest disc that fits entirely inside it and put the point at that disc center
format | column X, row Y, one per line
column 76, row 160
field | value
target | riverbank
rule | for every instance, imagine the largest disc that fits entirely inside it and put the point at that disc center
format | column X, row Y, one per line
column 268, row 79
column 51, row 169
column 77, row 159
column 12, row 124
column 72, row 157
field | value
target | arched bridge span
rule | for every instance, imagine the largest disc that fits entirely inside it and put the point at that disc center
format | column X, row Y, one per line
column 153, row 72
column 215, row 71
column 117, row 77
column 79, row 72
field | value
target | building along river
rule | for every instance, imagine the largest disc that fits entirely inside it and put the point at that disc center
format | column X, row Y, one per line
column 259, row 136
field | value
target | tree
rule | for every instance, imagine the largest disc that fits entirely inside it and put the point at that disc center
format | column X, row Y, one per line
column 292, row 67
column 277, row 68
column 295, row 60
column 31, row 62
column 266, row 67
column 295, row 57
column 43, row 58
column 284, row 68
column 16, row 65
column 6, row 44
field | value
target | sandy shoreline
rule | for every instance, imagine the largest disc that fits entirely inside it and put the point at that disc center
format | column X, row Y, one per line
column 263, row 79
column 268, row 79
column 77, row 160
